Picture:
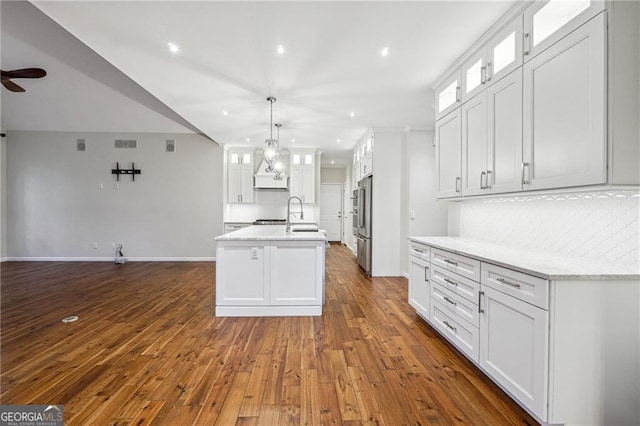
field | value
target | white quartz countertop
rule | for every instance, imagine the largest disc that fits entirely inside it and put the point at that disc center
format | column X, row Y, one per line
column 271, row 232
column 541, row 264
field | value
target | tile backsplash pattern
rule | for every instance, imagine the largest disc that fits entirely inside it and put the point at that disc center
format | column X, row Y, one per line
column 601, row 226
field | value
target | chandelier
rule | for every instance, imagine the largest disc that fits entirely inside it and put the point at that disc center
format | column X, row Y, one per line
column 272, row 154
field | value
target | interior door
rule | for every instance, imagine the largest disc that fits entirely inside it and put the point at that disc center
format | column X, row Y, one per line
column 331, row 210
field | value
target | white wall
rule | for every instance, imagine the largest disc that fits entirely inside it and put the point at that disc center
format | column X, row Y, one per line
column 387, row 203
column 332, row 175
column 430, row 214
column 55, row 208
column 602, row 226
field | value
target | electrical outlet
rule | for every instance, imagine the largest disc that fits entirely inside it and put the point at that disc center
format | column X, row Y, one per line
column 254, row 252
column 412, row 214
column 95, row 245
column 100, row 185
column 116, row 186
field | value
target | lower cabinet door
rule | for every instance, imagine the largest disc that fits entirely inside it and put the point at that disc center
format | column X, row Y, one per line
column 419, row 288
column 514, row 338
column 462, row 334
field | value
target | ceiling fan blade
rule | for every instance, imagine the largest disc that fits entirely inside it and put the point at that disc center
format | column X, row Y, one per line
column 24, row 73
column 12, row 86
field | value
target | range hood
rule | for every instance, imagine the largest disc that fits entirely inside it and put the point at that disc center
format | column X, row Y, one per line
column 263, row 179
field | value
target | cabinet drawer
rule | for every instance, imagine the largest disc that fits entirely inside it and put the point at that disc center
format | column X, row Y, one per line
column 457, row 307
column 463, row 335
column 525, row 287
column 455, row 283
column 462, row 265
column 420, row 251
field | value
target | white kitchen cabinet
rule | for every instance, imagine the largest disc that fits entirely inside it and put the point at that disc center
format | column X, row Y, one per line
column 240, row 177
column 448, row 95
column 547, row 22
column 419, row 275
column 258, row 276
column 462, row 334
column 303, row 175
column 292, row 265
column 501, row 55
column 242, row 274
column 473, row 73
column 474, row 145
column 366, row 166
column 565, row 347
column 504, row 52
column 504, row 137
column 565, row 111
column 448, row 155
column 514, row 347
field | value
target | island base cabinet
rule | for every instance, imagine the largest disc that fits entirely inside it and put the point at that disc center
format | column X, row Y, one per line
column 297, row 274
column 270, row 278
column 240, row 273
column 514, row 338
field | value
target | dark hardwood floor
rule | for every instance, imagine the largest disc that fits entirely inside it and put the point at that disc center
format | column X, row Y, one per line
column 147, row 349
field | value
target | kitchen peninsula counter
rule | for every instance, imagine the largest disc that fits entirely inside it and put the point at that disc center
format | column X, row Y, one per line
column 266, row 271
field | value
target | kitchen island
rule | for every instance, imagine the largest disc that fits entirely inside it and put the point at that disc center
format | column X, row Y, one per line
column 267, row 271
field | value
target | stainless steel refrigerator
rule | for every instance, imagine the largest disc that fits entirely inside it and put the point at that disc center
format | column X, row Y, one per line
column 362, row 231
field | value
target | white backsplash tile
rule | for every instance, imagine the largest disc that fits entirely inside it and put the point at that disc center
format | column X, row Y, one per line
column 601, row 226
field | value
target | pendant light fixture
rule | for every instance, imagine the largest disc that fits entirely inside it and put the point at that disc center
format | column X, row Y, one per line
column 272, row 151
column 278, row 167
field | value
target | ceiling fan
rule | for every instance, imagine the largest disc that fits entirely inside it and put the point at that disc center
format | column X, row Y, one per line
column 7, row 76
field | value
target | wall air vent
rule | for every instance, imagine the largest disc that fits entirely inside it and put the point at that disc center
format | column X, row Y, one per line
column 171, row 145
column 126, row 143
column 81, row 145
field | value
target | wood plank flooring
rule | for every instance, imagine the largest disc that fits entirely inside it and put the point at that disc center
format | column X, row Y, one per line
column 147, row 349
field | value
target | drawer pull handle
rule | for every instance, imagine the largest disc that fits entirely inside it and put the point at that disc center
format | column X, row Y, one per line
column 449, row 325
column 503, row 281
column 426, row 273
column 451, row 262
column 449, row 300
column 480, row 310
column 451, row 282
column 418, row 251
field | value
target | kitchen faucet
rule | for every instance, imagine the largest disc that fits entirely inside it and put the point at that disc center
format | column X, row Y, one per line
column 289, row 211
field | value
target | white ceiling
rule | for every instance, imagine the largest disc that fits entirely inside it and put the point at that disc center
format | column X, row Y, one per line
column 228, row 62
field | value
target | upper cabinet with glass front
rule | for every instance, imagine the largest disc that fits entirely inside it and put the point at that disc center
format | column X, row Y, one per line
column 501, row 55
column 546, row 22
column 448, row 95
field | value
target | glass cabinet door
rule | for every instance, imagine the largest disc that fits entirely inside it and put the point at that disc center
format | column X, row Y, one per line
column 546, row 22
column 448, row 95
column 473, row 75
column 504, row 51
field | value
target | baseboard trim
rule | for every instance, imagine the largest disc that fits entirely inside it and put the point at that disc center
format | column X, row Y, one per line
column 109, row 259
column 406, row 275
column 3, row 259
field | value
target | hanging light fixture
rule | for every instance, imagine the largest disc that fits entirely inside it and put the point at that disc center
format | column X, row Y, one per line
column 272, row 151
column 278, row 167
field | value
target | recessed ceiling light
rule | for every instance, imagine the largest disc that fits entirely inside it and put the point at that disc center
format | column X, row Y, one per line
column 173, row 48
column 280, row 49
column 293, row 139
column 333, row 162
column 352, row 114
column 384, row 51
column 225, row 112
column 338, row 140
column 248, row 140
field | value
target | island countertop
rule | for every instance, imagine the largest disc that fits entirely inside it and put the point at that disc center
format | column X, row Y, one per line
column 544, row 265
column 271, row 233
